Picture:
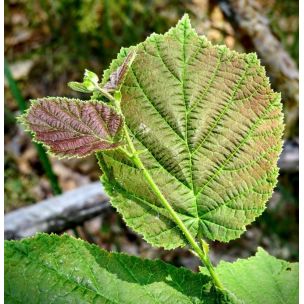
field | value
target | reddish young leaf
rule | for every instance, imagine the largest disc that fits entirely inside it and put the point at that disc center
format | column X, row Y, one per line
column 118, row 76
column 73, row 128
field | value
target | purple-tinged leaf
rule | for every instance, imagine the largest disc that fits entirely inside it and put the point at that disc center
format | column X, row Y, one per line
column 73, row 128
column 117, row 77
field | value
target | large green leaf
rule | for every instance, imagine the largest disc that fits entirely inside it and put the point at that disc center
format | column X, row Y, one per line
column 211, row 127
column 261, row 279
column 53, row 269
column 61, row 269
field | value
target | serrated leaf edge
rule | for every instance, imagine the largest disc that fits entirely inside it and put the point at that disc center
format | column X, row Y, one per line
column 22, row 119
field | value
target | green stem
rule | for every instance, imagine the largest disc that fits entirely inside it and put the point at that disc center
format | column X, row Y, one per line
column 137, row 161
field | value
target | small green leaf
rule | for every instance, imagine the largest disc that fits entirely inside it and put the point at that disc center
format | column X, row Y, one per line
column 90, row 77
column 211, row 126
column 261, row 279
column 61, row 269
column 89, row 84
column 79, row 87
column 73, row 128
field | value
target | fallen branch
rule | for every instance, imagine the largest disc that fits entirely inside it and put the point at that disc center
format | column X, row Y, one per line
column 57, row 214
column 289, row 159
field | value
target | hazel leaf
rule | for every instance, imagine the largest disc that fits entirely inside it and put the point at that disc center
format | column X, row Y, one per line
column 62, row 269
column 261, row 279
column 72, row 127
column 90, row 77
column 212, row 129
column 79, row 87
column 117, row 77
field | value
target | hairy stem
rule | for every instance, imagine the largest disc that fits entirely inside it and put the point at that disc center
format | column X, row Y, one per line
column 134, row 156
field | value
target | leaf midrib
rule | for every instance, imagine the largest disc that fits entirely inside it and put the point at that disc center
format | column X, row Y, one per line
column 154, row 207
column 90, row 131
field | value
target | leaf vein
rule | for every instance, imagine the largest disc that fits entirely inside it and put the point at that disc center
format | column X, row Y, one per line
column 230, row 156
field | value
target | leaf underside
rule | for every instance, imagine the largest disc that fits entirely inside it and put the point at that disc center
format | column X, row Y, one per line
column 71, row 127
column 61, row 269
column 211, row 127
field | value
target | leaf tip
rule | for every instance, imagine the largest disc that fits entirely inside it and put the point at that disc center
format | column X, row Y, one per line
column 185, row 18
column 253, row 58
column 184, row 22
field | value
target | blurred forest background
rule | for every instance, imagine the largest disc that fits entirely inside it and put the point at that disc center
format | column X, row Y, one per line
column 51, row 42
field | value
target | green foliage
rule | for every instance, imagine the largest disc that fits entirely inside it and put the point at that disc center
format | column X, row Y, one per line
column 65, row 270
